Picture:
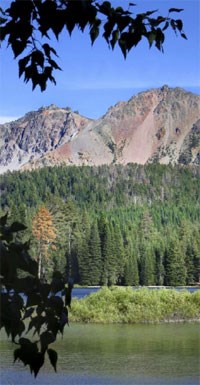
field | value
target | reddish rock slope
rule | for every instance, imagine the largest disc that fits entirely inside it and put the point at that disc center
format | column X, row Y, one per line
column 161, row 125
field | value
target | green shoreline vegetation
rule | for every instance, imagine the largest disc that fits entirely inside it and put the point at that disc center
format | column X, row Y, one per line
column 125, row 305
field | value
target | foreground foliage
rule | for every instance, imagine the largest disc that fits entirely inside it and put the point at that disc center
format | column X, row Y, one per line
column 29, row 305
column 125, row 305
column 27, row 27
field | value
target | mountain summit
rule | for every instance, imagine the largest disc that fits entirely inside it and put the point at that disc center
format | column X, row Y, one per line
column 159, row 125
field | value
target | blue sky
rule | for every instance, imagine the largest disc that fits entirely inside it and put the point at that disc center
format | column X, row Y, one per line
column 94, row 78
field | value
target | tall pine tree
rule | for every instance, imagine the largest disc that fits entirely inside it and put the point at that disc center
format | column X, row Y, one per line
column 95, row 261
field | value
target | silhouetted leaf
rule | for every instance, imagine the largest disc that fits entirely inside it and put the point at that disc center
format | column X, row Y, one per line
column 173, row 25
column 17, row 300
column 56, row 303
column 3, row 220
column 36, row 362
column 38, row 58
column 18, row 47
column 108, row 27
column 6, row 235
column 26, row 352
column 33, row 299
column 48, row 50
column 94, row 33
column 123, row 22
column 123, row 46
column 8, row 328
column 17, row 354
column 105, row 7
column 184, row 36
column 28, row 313
column 24, row 341
column 58, row 22
column 46, row 338
column 17, row 329
column 175, row 10
column 166, row 26
column 39, row 322
column 158, row 21
column 179, row 24
column 63, row 319
column 16, row 226
column 22, row 64
column 54, row 64
column 133, row 40
column 2, row 20
column 32, row 324
column 115, row 37
column 148, row 13
column 52, row 321
column 44, row 289
column 57, row 283
column 20, row 258
column 151, row 37
column 53, row 357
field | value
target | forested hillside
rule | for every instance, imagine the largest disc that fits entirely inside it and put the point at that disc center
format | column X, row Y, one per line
column 109, row 225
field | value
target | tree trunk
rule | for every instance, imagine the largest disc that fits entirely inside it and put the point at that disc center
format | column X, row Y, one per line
column 39, row 262
column 39, row 266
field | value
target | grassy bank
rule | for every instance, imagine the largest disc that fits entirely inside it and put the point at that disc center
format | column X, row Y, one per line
column 125, row 305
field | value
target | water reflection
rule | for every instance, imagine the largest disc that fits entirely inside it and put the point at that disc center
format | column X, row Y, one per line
column 116, row 355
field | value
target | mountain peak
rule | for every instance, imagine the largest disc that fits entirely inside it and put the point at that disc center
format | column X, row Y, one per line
column 158, row 125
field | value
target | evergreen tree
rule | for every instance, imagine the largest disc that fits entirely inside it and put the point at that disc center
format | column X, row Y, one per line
column 131, row 274
column 94, row 255
column 147, row 276
column 66, row 220
column 113, row 263
column 190, row 258
column 159, row 265
column 56, row 206
column 119, row 254
column 147, row 238
column 106, row 245
column 72, row 236
column 189, row 241
column 175, row 270
column 83, row 251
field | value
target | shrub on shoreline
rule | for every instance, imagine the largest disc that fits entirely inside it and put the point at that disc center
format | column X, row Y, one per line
column 125, row 305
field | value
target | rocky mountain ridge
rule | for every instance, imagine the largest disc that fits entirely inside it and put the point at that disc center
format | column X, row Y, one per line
column 158, row 125
column 27, row 139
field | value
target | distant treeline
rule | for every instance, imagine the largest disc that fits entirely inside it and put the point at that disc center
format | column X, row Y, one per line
column 115, row 224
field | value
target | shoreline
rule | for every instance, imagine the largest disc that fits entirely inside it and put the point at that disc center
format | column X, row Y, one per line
column 127, row 306
column 196, row 286
column 169, row 321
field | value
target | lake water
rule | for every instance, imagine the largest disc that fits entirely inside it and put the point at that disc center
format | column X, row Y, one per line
column 83, row 292
column 165, row 354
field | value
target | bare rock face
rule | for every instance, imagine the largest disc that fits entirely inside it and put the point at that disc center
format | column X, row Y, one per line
column 159, row 125
column 190, row 149
column 27, row 139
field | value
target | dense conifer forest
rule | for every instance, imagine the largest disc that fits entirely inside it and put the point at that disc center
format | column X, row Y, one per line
column 107, row 225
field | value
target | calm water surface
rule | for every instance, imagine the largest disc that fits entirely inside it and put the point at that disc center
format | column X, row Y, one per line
column 83, row 292
column 166, row 354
